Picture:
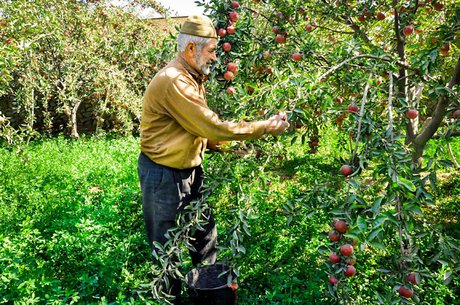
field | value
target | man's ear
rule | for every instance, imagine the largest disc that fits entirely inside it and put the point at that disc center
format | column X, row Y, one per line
column 191, row 48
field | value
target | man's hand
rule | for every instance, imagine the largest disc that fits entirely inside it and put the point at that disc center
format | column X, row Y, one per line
column 277, row 124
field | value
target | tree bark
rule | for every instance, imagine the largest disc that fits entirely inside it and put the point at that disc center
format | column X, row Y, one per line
column 439, row 113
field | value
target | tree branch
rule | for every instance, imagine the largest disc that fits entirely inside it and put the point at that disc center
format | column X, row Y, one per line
column 332, row 30
column 383, row 58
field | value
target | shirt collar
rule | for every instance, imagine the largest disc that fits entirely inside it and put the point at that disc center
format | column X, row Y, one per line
column 200, row 78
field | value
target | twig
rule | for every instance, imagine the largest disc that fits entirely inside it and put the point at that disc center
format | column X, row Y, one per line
column 361, row 114
column 390, row 107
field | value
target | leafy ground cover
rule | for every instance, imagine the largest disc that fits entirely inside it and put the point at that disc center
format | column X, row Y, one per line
column 72, row 229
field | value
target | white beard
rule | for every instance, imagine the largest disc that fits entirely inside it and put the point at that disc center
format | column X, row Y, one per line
column 204, row 67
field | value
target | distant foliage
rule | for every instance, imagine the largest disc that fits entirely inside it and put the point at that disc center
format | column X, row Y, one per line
column 74, row 66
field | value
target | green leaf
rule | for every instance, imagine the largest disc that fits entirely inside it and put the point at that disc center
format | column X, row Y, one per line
column 379, row 221
column 377, row 245
column 362, row 225
column 384, row 270
column 448, row 278
column 407, row 184
column 374, row 234
column 376, row 206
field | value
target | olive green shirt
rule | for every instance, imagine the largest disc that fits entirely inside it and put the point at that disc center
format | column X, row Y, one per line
column 176, row 121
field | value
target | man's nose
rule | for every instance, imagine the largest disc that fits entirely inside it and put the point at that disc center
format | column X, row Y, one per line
column 213, row 56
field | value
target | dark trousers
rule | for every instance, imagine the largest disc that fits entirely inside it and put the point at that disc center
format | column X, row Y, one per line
column 165, row 192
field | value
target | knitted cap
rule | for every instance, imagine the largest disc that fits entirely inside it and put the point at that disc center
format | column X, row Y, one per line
column 198, row 25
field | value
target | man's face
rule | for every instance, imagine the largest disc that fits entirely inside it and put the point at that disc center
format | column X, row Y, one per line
column 204, row 59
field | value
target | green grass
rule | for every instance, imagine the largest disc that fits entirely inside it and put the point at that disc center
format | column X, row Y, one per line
column 72, row 227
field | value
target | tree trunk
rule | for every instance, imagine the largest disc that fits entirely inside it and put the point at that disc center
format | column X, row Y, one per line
column 73, row 121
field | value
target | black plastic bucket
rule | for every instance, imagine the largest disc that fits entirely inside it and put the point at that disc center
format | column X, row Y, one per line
column 212, row 285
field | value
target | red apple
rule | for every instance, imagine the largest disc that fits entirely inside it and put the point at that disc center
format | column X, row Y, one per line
column 351, row 261
column 227, row 47
column 405, row 292
column 334, row 235
column 334, row 257
column 456, row 114
column 367, row 12
column 231, row 30
column 361, row 18
column 352, row 108
column 412, row 278
column 333, row 280
column 233, row 16
column 408, row 30
column 221, row 33
column 349, row 271
column 297, row 56
column 346, row 170
column 381, row 16
column 231, row 90
column 412, row 113
column 235, row 4
column 275, row 29
column 444, row 50
column 229, row 75
column 280, row 38
column 233, row 67
column 346, row 250
column 438, row 6
column 340, row 226
column 309, row 27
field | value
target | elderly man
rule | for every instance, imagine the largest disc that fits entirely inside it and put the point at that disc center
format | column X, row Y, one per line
column 176, row 127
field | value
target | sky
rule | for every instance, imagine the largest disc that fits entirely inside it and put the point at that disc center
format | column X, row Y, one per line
column 182, row 7
column 177, row 8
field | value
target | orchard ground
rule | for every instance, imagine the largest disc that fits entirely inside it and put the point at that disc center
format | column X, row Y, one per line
column 73, row 232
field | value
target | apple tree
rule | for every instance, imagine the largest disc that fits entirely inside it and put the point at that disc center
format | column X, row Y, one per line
column 384, row 75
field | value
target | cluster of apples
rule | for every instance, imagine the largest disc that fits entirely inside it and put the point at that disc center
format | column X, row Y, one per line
column 281, row 35
column 230, row 29
column 406, row 291
column 343, row 258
